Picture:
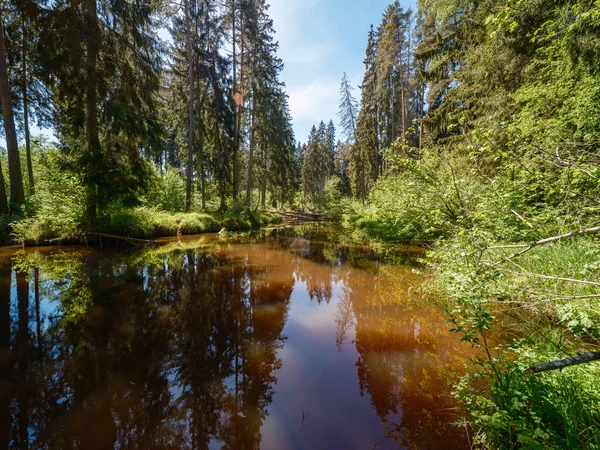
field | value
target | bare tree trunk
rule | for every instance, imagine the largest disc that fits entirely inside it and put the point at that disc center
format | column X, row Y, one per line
column 264, row 182
column 393, row 99
column 236, row 141
column 3, row 199
column 190, row 157
column 26, row 113
column 17, row 196
column 240, row 106
column 91, row 110
column 251, row 155
column 403, row 97
column 421, row 114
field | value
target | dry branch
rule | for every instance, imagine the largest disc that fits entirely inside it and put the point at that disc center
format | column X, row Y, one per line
column 550, row 240
column 130, row 240
column 547, row 300
column 562, row 363
column 549, row 277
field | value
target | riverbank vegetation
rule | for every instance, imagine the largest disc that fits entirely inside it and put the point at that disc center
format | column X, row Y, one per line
column 498, row 174
column 476, row 132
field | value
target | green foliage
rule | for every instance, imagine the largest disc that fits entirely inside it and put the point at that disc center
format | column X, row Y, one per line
column 55, row 210
column 555, row 410
column 168, row 190
column 143, row 222
column 510, row 157
column 421, row 201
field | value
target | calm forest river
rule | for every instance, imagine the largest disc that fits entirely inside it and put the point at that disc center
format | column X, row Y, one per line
column 285, row 340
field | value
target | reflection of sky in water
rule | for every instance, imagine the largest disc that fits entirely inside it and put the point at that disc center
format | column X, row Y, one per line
column 322, row 381
column 50, row 303
column 346, row 349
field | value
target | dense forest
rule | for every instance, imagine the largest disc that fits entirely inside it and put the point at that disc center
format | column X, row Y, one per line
column 475, row 131
column 198, row 123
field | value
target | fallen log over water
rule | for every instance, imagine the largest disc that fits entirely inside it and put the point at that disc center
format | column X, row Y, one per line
column 130, row 240
column 298, row 216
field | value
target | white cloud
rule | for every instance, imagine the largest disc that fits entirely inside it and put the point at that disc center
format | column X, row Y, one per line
column 315, row 101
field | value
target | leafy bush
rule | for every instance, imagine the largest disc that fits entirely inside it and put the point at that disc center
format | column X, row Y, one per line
column 56, row 208
column 144, row 222
column 167, row 190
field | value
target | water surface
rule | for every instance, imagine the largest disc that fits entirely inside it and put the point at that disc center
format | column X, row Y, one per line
column 289, row 340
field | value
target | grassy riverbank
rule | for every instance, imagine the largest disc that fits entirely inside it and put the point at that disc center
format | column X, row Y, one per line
column 136, row 222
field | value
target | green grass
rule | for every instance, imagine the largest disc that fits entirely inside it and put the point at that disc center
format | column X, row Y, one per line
column 141, row 222
column 145, row 222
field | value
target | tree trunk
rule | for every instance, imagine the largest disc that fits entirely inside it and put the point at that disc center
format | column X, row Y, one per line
column 264, row 182
column 190, row 157
column 421, row 114
column 251, row 155
column 26, row 114
column 91, row 112
column 17, row 195
column 3, row 199
column 201, row 170
column 236, row 141
column 403, row 98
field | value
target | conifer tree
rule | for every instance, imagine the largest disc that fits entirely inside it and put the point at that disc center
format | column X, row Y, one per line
column 108, row 52
column 364, row 155
column 17, row 194
column 311, row 176
column 329, row 147
column 348, row 110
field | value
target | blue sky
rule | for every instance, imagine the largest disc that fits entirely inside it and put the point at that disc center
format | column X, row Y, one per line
column 319, row 41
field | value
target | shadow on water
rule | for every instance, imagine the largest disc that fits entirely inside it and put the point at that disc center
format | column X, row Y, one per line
column 290, row 339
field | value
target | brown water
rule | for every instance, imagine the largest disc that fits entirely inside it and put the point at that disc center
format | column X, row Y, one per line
column 290, row 340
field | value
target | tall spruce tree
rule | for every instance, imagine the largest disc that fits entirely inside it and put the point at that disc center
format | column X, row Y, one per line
column 17, row 194
column 108, row 52
column 329, row 147
column 348, row 109
column 365, row 152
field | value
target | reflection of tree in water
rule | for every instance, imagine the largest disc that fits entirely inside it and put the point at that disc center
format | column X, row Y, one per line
column 404, row 351
column 344, row 318
column 159, row 350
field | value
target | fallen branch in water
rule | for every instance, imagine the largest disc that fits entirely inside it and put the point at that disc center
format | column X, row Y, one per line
column 130, row 240
column 562, row 363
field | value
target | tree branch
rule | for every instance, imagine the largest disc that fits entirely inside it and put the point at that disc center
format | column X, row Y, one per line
column 549, row 240
column 128, row 239
column 549, row 277
column 562, row 363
